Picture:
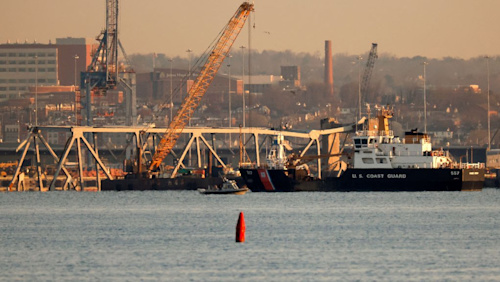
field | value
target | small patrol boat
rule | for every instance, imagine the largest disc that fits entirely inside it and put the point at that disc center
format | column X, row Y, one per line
column 227, row 187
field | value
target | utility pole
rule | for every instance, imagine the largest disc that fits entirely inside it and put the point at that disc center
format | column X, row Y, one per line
column 36, row 90
column 425, row 100
column 189, row 51
column 243, row 83
column 171, row 92
column 76, row 57
column 359, row 88
column 189, row 62
column 229, row 91
column 229, row 96
column 187, row 91
column 489, row 121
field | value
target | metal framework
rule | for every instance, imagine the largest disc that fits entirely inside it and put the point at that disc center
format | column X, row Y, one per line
column 201, row 84
column 142, row 138
column 368, row 70
column 104, row 72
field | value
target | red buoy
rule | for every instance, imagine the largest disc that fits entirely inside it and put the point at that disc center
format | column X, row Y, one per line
column 240, row 229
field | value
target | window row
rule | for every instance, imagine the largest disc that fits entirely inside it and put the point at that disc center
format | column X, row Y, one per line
column 24, row 81
column 27, row 69
column 29, row 62
column 372, row 161
column 31, row 54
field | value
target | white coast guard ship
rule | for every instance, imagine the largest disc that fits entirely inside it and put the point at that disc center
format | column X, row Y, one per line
column 380, row 162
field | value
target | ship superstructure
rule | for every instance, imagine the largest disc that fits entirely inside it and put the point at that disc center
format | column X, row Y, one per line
column 377, row 147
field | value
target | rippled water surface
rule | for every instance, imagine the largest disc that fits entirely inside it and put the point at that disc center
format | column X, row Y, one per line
column 179, row 236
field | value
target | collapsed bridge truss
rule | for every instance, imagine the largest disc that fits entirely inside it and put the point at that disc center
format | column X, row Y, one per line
column 142, row 138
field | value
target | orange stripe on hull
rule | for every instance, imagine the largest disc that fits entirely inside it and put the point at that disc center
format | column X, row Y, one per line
column 266, row 180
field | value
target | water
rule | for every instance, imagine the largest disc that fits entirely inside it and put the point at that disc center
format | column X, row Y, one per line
column 181, row 236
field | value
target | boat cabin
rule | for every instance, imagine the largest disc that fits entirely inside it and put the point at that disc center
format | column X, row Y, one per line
column 377, row 147
column 277, row 157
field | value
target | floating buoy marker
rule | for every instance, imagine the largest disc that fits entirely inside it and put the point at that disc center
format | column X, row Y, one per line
column 240, row 229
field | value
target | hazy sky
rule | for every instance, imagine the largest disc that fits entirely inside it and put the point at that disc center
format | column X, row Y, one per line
column 431, row 28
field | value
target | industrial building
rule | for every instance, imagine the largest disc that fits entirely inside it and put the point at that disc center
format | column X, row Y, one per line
column 158, row 85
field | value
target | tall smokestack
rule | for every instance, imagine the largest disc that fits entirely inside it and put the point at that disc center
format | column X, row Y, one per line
column 329, row 66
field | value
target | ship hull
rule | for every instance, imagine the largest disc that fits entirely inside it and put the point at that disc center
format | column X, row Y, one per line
column 178, row 183
column 352, row 180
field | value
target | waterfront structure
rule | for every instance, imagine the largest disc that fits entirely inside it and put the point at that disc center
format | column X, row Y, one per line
column 77, row 144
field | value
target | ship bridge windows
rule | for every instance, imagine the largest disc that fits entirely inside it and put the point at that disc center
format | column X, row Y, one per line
column 360, row 142
column 386, row 140
column 357, row 143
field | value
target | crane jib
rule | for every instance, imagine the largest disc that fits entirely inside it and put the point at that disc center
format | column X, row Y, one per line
column 201, row 84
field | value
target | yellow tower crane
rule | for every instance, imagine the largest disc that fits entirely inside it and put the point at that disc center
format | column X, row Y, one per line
column 200, row 85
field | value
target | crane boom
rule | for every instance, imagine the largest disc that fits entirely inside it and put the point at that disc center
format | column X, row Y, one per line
column 368, row 70
column 201, row 84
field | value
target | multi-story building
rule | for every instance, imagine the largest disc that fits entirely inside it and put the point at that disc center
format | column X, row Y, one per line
column 33, row 64
column 73, row 55
column 22, row 64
